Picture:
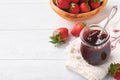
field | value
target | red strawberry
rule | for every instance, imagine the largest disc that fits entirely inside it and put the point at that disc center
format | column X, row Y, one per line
column 117, row 76
column 77, row 29
column 84, row 7
column 60, row 35
column 95, row 3
column 75, row 1
column 69, row 1
column 115, row 70
column 62, row 4
column 74, row 8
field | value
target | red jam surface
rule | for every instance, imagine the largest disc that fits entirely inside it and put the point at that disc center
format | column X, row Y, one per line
column 99, row 50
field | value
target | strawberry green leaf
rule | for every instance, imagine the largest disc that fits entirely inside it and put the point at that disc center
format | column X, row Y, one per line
column 52, row 38
column 84, row 24
column 56, row 38
column 60, row 42
column 53, row 42
column 114, row 68
column 72, row 5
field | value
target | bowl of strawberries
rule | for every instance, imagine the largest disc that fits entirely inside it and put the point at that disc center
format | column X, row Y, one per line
column 75, row 10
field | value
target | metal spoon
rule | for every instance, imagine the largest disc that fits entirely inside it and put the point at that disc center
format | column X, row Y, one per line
column 111, row 15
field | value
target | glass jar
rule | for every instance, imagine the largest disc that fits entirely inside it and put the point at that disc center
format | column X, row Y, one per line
column 95, row 44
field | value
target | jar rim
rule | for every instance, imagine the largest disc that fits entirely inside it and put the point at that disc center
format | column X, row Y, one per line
column 95, row 26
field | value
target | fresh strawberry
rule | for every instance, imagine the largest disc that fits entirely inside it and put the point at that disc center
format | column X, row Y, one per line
column 75, row 1
column 62, row 4
column 117, row 76
column 60, row 35
column 77, row 29
column 69, row 1
column 74, row 8
column 84, row 7
column 115, row 70
column 95, row 3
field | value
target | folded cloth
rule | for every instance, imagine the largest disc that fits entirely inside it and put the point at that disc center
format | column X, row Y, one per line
column 77, row 64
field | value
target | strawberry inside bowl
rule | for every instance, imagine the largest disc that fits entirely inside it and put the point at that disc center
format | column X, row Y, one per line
column 75, row 10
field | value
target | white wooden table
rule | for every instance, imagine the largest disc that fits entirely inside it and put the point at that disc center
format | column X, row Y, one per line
column 25, row 51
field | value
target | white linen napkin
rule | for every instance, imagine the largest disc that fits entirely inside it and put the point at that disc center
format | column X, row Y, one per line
column 77, row 64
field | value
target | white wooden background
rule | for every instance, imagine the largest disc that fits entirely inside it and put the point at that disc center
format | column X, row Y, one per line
column 25, row 51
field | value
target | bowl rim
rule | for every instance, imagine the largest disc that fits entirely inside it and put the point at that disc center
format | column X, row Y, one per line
column 104, row 3
column 81, row 16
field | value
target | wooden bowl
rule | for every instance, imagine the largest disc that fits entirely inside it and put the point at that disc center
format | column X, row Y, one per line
column 77, row 17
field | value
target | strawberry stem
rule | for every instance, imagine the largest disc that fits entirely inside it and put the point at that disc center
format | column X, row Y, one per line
column 56, row 38
column 84, row 24
column 72, row 5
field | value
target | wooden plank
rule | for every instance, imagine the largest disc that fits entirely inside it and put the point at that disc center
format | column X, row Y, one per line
column 29, row 44
column 25, row 15
column 22, row 16
column 36, row 70
column 22, row 1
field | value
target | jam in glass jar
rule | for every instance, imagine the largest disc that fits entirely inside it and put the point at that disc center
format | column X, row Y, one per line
column 95, row 46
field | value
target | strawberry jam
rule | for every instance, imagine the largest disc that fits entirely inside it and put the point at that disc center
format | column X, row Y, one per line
column 95, row 46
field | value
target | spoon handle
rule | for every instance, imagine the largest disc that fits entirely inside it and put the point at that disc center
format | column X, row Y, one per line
column 111, row 15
